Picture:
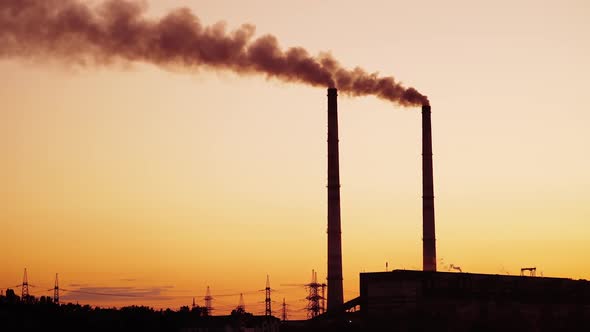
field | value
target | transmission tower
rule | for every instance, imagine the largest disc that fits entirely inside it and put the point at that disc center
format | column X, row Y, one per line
column 267, row 310
column 284, row 313
column 316, row 301
column 25, row 288
column 241, row 306
column 56, row 291
column 208, row 300
column 193, row 302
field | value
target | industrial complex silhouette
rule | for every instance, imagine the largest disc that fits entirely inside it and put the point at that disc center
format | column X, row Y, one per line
column 401, row 300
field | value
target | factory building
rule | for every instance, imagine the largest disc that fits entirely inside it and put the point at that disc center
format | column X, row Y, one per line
column 405, row 300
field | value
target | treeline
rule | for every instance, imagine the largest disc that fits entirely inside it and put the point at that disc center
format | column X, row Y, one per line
column 42, row 314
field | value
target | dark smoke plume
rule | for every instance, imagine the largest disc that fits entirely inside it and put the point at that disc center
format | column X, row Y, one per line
column 118, row 30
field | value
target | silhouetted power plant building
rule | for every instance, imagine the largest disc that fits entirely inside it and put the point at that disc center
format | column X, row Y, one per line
column 335, row 291
column 407, row 300
column 428, row 235
column 404, row 300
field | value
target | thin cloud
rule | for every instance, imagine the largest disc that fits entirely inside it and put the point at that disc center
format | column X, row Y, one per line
column 77, row 285
column 102, row 294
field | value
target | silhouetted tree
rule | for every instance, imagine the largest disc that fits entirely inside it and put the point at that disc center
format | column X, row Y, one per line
column 11, row 296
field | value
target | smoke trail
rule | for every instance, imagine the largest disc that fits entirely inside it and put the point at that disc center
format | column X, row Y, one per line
column 115, row 30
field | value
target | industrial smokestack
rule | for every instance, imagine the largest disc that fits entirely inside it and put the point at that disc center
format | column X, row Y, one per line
column 428, row 238
column 335, row 292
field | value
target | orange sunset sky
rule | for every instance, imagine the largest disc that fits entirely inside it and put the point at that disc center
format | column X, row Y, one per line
column 133, row 179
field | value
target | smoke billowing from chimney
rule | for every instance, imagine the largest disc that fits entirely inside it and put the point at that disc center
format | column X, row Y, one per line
column 117, row 30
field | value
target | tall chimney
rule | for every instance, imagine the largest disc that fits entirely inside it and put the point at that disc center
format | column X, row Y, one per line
column 428, row 238
column 335, row 293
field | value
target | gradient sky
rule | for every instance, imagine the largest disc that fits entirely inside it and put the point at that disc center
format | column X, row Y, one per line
column 134, row 179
